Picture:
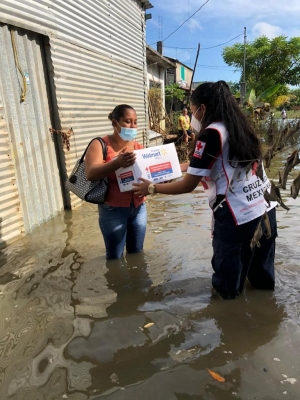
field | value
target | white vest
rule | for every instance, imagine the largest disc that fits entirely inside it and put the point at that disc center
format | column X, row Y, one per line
column 244, row 192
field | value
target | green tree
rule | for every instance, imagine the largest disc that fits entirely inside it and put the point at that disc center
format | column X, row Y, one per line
column 268, row 61
column 234, row 87
column 294, row 95
column 282, row 91
column 295, row 92
column 173, row 90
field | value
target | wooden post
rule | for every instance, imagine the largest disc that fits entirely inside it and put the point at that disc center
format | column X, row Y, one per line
column 190, row 92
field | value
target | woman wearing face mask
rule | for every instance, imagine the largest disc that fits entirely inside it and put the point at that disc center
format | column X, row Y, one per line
column 123, row 216
column 226, row 160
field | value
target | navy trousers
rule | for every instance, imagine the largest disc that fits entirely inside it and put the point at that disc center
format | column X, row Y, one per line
column 233, row 260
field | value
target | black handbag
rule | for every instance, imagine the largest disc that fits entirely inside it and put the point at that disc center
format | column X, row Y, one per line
column 90, row 191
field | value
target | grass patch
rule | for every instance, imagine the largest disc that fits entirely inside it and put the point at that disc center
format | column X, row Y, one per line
column 291, row 114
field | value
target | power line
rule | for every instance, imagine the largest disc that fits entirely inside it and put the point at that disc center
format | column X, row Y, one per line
column 215, row 67
column 218, row 45
column 218, row 67
column 184, row 22
column 204, row 48
column 209, row 66
column 180, row 48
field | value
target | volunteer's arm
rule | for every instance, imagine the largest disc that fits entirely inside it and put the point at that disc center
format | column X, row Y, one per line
column 205, row 155
column 185, row 185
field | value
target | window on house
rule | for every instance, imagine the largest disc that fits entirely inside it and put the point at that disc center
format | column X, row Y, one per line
column 182, row 73
column 170, row 76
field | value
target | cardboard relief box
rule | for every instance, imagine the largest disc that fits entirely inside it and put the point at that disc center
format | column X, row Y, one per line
column 157, row 164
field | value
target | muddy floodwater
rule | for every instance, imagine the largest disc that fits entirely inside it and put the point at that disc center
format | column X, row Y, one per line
column 147, row 327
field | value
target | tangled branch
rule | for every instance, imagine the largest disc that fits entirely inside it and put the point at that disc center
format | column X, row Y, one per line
column 65, row 135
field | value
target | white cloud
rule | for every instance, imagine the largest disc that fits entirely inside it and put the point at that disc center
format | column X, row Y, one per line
column 241, row 12
column 220, row 22
column 255, row 9
column 193, row 25
column 232, row 8
column 265, row 29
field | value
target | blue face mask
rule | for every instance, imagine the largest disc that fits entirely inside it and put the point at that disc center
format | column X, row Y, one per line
column 127, row 134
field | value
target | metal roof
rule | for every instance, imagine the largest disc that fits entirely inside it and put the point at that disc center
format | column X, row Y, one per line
column 174, row 60
column 146, row 4
column 154, row 57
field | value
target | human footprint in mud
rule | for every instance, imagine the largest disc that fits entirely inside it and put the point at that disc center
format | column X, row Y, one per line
column 227, row 160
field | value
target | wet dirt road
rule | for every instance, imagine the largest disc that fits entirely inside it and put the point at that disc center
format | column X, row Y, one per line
column 72, row 326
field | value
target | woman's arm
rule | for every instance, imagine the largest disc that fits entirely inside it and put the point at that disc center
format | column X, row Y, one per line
column 95, row 169
column 185, row 185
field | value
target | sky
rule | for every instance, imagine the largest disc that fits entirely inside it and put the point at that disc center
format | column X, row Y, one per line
column 218, row 22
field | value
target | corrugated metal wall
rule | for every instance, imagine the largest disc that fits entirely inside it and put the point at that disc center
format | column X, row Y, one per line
column 34, row 158
column 97, row 58
column 112, row 27
column 88, row 86
column 11, row 223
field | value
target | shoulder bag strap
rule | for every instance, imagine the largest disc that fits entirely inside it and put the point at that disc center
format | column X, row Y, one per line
column 104, row 148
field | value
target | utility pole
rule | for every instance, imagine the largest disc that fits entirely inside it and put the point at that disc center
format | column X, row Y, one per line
column 243, row 83
column 197, row 55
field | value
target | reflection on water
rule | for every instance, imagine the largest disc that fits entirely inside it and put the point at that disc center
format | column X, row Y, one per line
column 72, row 325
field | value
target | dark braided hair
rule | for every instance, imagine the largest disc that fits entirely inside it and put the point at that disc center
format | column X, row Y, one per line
column 221, row 106
column 119, row 111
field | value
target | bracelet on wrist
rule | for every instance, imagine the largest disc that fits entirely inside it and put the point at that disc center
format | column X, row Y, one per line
column 152, row 189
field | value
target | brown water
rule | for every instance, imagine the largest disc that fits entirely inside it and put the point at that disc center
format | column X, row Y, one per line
column 72, row 325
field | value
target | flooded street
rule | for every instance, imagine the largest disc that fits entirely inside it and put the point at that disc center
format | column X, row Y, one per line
column 72, row 326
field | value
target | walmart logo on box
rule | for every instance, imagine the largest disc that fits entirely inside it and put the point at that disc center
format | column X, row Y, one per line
column 155, row 153
column 157, row 164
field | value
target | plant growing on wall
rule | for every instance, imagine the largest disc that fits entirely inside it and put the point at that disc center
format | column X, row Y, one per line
column 155, row 108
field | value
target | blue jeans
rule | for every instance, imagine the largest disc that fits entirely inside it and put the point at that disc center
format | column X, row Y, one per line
column 120, row 226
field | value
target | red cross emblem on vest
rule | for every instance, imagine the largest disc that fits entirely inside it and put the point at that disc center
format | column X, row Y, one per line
column 199, row 149
column 199, row 146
